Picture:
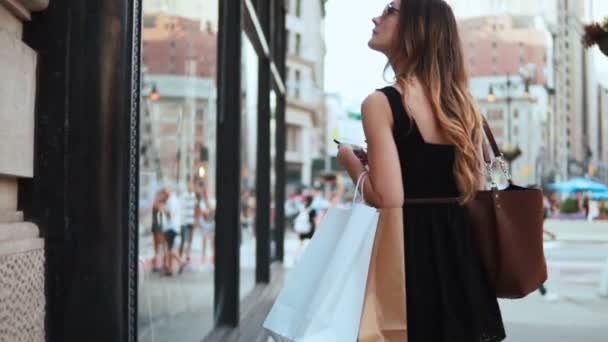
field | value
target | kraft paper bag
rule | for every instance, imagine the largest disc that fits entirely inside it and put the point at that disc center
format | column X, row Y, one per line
column 384, row 316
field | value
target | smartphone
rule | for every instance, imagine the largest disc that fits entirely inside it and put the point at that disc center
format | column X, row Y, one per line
column 337, row 142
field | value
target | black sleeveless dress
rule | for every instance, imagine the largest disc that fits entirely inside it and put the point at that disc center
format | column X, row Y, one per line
column 448, row 296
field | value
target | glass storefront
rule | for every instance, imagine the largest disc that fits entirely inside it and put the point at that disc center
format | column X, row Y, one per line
column 177, row 169
column 178, row 147
column 249, row 84
column 146, row 153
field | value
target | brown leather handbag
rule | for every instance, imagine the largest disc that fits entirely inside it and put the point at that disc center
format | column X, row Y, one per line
column 508, row 225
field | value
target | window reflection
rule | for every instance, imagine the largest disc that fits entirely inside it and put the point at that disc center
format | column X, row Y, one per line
column 249, row 81
column 177, row 169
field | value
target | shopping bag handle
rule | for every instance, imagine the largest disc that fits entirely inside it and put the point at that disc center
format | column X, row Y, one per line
column 360, row 188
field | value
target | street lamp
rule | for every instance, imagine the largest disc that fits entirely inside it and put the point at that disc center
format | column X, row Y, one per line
column 510, row 151
column 154, row 94
column 527, row 90
column 491, row 96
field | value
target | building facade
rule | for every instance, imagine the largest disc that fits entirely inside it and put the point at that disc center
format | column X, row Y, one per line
column 504, row 45
column 22, row 246
column 517, row 118
column 545, row 8
column 568, row 76
column 305, row 88
column 599, row 168
column 576, row 97
column 179, row 61
column 104, row 102
column 506, row 58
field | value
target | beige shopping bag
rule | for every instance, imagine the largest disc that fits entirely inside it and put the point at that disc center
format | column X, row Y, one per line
column 384, row 315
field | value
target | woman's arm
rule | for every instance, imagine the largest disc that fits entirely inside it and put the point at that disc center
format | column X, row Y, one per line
column 383, row 187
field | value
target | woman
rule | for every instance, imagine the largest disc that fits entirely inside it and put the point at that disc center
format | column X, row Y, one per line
column 424, row 142
column 172, row 211
column 310, row 214
column 158, row 219
column 204, row 217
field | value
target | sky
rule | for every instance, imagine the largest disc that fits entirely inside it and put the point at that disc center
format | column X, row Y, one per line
column 353, row 70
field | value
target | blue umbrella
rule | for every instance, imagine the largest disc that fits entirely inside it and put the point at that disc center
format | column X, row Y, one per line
column 579, row 184
column 600, row 196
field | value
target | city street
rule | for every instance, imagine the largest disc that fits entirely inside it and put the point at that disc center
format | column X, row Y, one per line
column 579, row 314
column 183, row 305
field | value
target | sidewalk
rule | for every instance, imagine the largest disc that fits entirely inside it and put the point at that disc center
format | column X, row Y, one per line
column 579, row 315
column 578, row 231
column 180, row 308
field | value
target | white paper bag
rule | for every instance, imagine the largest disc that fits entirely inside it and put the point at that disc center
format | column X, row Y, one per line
column 323, row 295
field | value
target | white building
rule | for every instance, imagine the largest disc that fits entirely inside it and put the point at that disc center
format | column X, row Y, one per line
column 515, row 117
column 305, row 88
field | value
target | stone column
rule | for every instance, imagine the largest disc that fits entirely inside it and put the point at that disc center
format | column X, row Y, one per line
column 22, row 298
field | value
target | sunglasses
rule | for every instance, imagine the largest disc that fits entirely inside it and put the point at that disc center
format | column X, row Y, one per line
column 390, row 9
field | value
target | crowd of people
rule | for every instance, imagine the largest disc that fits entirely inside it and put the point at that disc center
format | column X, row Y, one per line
column 177, row 217
column 180, row 216
column 580, row 206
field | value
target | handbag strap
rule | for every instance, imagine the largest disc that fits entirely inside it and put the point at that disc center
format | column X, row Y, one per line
column 495, row 150
column 493, row 145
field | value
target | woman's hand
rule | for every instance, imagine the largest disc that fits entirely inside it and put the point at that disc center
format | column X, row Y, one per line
column 348, row 157
column 361, row 154
column 347, row 150
column 344, row 150
column 349, row 160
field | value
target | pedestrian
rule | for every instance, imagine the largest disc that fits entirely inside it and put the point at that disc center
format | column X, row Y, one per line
column 585, row 206
column 424, row 154
column 548, row 296
column 306, row 217
column 158, row 220
column 188, row 204
column 173, row 222
column 206, row 221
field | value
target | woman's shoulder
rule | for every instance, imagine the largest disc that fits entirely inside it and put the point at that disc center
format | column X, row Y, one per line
column 376, row 104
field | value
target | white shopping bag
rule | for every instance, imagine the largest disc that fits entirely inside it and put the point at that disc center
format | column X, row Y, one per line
column 323, row 295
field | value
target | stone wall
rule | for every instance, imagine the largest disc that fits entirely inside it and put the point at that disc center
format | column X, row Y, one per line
column 22, row 299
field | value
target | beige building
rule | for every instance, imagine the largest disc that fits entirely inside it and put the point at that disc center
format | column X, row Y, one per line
column 504, row 45
column 206, row 12
column 572, row 138
column 506, row 58
column 22, row 258
column 599, row 167
column 469, row 8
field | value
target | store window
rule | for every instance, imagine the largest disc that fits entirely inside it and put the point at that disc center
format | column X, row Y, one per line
column 177, row 170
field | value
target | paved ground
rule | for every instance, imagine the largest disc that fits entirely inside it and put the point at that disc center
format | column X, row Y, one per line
column 578, row 315
column 575, row 267
column 180, row 308
column 596, row 231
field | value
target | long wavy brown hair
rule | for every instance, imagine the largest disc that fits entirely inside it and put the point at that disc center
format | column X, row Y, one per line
column 428, row 48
